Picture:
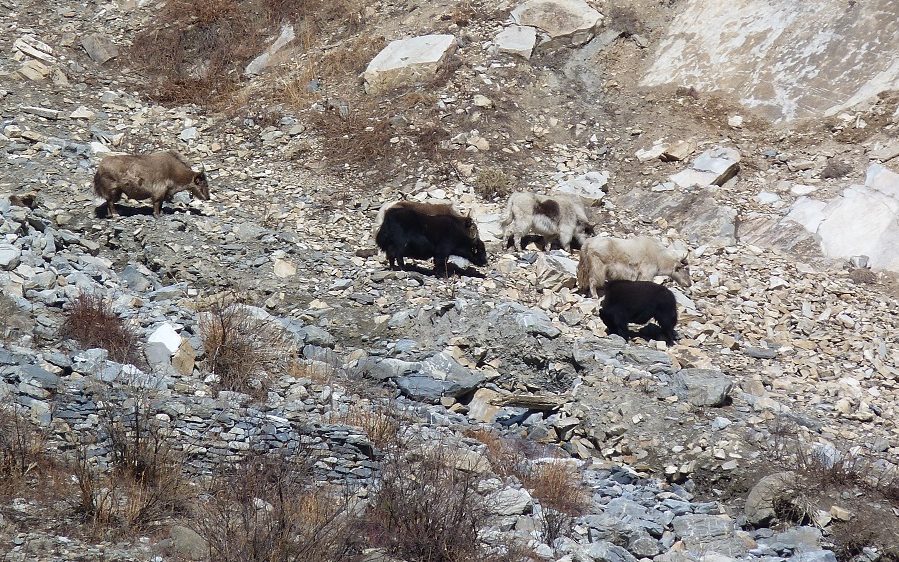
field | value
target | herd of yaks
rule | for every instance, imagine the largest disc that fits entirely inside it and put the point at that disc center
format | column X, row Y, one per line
column 620, row 270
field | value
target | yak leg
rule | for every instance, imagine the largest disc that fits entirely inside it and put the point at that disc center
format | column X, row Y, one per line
column 157, row 208
column 615, row 324
column 566, row 234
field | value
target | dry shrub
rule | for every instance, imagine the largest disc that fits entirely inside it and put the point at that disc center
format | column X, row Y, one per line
column 241, row 349
column 493, row 183
column 558, row 487
column 145, row 485
column 424, row 509
column 353, row 140
column 267, row 509
column 21, row 449
column 92, row 323
column 195, row 51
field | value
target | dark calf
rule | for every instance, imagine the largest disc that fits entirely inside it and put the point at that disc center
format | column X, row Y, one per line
column 638, row 302
column 408, row 233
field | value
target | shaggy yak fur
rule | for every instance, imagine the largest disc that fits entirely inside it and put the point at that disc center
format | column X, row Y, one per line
column 638, row 302
column 408, row 233
column 558, row 218
column 632, row 259
column 432, row 209
column 156, row 176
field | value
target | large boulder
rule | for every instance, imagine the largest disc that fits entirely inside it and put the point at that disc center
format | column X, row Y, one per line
column 863, row 220
column 408, row 61
column 565, row 22
column 713, row 167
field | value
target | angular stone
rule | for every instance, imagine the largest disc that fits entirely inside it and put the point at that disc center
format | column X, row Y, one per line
column 184, row 359
column 702, row 387
column 555, row 272
column 713, row 167
column 509, row 501
column 481, row 407
column 167, row 336
column 284, row 268
column 516, row 40
column 262, row 62
column 566, row 22
column 135, row 279
column 408, row 61
column 590, row 186
column 886, row 152
column 759, row 508
column 9, row 257
column 862, row 54
column 99, row 47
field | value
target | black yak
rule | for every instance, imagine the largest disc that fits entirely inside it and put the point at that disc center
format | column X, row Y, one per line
column 408, row 233
column 638, row 302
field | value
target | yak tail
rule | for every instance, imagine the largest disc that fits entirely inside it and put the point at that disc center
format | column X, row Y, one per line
column 584, row 271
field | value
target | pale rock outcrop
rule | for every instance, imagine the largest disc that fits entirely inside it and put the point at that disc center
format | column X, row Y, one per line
column 408, row 61
column 864, row 219
column 786, row 60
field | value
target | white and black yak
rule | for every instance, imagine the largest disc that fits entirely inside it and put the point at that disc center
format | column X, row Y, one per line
column 156, row 176
column 638, row 302
column 632, row 259
column 559, row 218
column 408, row 233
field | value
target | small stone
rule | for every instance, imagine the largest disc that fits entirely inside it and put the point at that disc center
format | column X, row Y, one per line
column 483, row 101
column 9, row 257
column 840, row 513
column 284, row 269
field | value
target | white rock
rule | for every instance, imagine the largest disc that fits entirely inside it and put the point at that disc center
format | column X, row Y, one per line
column 589, row 186
column 713, row 167
column 509, row 501
column 82, row 113
column 408, row 61
column 864, row 219
column 284, row 268
column 516, row 40
column 767, row 198
column 482, row 101
column 799, row 189
column 735, row 121
column 571, row 22
column 651, row 153
column 262, row 62
column 167, row 336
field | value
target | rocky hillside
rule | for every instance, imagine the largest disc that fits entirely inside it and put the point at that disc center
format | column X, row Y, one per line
column 245, row 379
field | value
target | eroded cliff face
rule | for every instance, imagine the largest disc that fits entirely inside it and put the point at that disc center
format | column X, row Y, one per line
column 788, row 60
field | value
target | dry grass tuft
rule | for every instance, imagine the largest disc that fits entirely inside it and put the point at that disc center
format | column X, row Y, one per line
column 493, row 184
column 92, row 323
column 242, row 350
